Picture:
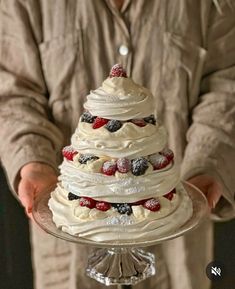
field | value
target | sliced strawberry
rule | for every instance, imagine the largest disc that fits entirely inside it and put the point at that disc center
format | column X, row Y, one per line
column 117, row 71
column 168, row 154
column 169, row 196
column 68, row 152
column 87, row 202
column 152, row 205
column 109, row 168
column 103, row 206
column 99, row 122
column 139, row 122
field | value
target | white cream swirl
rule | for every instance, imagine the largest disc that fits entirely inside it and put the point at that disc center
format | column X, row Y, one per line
column 120, row 98
column 107, row 226
column 118, row 190
column 129, row 141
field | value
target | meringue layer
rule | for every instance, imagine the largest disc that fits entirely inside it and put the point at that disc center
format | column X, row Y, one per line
column 117, row 189
column 100, row 226
column 120, row 98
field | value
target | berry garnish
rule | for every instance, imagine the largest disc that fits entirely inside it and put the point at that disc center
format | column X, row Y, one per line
column 124, row 209
column 72, row 197
column 138, row 203
column 169, row 196
column 83, row 159
column 103, row 206
column 117, row 71
column 123, row 165
column 152, row 205
column 113, row 125
column 99, row 122
column 87, row 202
column 139, row 166
column 68, row 152
column 168, row 154
column 150, row 119
column 139, row 122
column 87, row 117
column 109, row 168
column 158, row 161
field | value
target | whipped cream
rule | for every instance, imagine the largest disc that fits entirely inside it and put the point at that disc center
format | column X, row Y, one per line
column 129, row 141
column 118, row 189
column 106, row 227
column 120, row 98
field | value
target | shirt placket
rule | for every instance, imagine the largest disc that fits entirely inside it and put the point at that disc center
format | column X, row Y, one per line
column 123, row 47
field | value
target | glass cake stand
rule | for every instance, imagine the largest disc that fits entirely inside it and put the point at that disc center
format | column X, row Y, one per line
column 118, row 262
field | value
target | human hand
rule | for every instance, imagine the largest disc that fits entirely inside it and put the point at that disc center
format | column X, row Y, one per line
column 35, row 179
column 211, row 188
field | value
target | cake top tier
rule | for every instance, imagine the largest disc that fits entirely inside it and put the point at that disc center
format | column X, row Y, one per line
column 120, row 98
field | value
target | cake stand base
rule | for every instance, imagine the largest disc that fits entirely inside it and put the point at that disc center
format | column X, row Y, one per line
column 120, row 266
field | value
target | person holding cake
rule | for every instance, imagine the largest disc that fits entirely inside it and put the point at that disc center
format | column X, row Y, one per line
column 52, row 55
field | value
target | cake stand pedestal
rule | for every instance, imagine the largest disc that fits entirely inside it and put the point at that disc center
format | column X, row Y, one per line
column 118, row 262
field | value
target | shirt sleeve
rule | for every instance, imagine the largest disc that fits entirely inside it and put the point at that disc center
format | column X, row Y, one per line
column 26, row 133
column 211, row 136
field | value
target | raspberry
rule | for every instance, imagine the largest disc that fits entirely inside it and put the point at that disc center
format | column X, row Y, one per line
column 124, row 209
column 87, row 202
column 109, row 168
column 103, row 206
column 152, row 205
column 169, row 196
column 158, row 161
column 139, row 122
column 139, row 166
column 123, row 165
column 87, row 117
column 86, row 157
column 99, row 122
column 113, row 125
column 72, row 197
column 168, row 154
column 150, row 119
column 117, row 71
column 68, row 152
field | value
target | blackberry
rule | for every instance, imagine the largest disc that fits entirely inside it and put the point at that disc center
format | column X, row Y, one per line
column 72, row 197
column 86, row 157
column 113, row 125
column 139, row 166
column 124, row 209
column 87, row 117
column 150, row 119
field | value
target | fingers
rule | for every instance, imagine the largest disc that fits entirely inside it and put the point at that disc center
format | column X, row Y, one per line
column 213, row 195
column 26, row 194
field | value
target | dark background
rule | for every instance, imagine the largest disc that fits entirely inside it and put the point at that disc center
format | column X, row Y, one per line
column 15, row 260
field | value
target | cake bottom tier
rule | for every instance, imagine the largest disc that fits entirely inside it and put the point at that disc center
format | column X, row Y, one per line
column 99, row 226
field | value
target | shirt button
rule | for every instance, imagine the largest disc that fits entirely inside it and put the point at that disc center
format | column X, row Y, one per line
column 123, row 50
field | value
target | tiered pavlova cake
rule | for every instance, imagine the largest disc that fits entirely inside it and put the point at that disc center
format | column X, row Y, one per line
column 118, row 180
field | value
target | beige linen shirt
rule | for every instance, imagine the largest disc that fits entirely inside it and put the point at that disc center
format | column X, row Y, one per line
column 53, row 52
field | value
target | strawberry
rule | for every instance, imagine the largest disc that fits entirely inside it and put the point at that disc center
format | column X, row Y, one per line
column 158, row 161
column 152, row 205
column 139, row 122
column 117, row 71
column 87, row 202
column 123, row 165
column 168, row 154
column 169, row 196
column 68, row 152
column 109, row 168
column 103, row 206
column 99, row 122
